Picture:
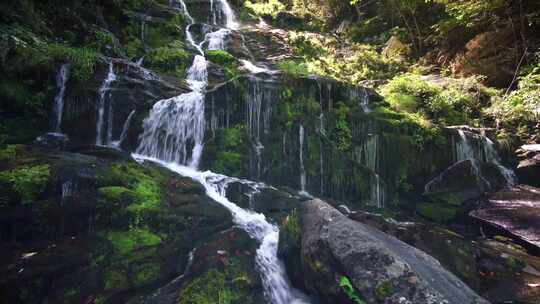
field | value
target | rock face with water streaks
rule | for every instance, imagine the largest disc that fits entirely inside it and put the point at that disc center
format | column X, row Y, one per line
column 378, row 267
column 463, row 181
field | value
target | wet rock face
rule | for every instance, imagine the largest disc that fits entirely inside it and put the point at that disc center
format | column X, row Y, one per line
column 134, row 89
column 514, row 211
column 463, row 181
column 338, row 252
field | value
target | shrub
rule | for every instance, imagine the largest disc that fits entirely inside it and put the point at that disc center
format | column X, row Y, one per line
column 410, row 93
column 27, row 181
column 348, row 289
column 83, row 60
column 169, row 59
column 220, row 57
column 293, row 68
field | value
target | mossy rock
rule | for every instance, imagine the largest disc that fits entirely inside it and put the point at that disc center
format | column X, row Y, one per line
column 441, row 213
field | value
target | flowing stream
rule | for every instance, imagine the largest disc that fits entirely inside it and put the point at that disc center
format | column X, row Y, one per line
column 176, row 126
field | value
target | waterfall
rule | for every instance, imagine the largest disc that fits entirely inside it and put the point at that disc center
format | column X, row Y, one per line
column 216, row 40
column 61, row 80
column 253, row 102
column 103, row 90
column 172, row 127
column 493, row 157
column 271, row 269
column 125, row 130
column 230, row 17
column 362, row 96
column 483, row 151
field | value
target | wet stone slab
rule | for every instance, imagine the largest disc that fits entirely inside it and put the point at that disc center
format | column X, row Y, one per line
column 516, row 211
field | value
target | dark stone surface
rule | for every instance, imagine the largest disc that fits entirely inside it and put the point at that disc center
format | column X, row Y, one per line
column 334, row 246
column 463, row 181
column 515, row 211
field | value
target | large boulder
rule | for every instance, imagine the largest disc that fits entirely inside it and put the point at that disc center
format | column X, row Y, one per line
column 345, row 261
column 515, row 211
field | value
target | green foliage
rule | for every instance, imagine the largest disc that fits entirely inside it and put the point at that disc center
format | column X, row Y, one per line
column 383, row 290
column 216, row 287
column 342, row 134
column 135, row 184
column 348, row 62
column 349, row 290
column 169, row 59
column 116, row 194
column 265, row 8
column 8, row 152
column 28, row 181
column 410, row 93
column 290, row 233
column 440, row 213
column 220, row 57
column 83, row 60
column 124, row 242
column 229, row 159
column 228, row 62
column 519, row 111
column 293, row 68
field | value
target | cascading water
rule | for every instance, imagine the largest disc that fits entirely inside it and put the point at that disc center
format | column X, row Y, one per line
column 493, row 157
column 61, row 80
column 483, row 151
column 125, row 130
column 103, row 91
column 176, row 124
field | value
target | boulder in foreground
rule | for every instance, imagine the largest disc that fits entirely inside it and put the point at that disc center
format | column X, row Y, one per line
column 354, row 263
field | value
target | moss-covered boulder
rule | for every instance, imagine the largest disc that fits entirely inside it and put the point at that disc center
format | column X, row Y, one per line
column 104, row 228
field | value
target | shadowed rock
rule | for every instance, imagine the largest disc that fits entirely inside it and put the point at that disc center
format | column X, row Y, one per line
column 516, row 211
column 379, row 267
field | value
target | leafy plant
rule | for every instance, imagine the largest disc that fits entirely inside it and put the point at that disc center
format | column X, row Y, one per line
column 27, row 181
column 347, row 287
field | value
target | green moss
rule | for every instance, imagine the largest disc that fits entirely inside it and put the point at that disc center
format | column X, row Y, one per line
column 213, row 287
column 290, row 233
column 383, row 290
column 169, row 59
column 124, row 242
column 515, row 264
column 83, row 60
column 8, row 152
column 436, row 212
column 115, row 279
column 349, row 290
column 116, row 193
column 140, row 184
column 146, row 273
column 28, row 181
column 410, row 93
column 293, row 68
column 220, row 57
